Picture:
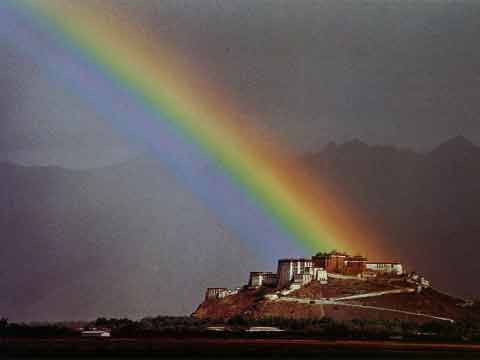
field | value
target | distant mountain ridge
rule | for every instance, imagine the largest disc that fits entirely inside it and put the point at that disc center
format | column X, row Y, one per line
column 105, row 242
column 425, row 206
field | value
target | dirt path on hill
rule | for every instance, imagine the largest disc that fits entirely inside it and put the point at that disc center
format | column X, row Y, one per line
column 374, row 294
column 322, row 308
column 368, row 307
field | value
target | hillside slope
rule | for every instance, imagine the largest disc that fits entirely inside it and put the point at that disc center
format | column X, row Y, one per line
column 317, row 301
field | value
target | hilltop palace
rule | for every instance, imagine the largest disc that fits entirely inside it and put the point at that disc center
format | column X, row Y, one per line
column 294, row 273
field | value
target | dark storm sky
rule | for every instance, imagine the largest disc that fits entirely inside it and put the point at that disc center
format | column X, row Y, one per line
column 402, row 73
column 110, row 241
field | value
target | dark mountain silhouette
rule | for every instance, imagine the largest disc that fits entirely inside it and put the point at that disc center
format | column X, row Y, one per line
column 105, row 242
column 457, row 149
column 81, row 244
column 425, row 206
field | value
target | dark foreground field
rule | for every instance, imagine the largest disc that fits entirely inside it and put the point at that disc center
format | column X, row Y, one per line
column 230, row 347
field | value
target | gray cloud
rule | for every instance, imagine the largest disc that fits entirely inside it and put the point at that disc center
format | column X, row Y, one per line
column 401, row 73
column 42, row 122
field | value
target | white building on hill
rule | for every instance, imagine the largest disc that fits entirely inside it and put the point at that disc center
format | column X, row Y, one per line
column 219, row 293
column 297, row 272
column 320, row 274
column 287, row 268
column 263, row 278
column 395, row 268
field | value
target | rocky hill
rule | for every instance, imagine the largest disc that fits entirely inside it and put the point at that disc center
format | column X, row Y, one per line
column 341, row 300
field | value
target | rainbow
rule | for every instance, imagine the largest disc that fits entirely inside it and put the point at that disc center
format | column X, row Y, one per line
column 178, row 100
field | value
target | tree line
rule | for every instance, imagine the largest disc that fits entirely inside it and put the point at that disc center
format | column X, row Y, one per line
column 463, row 330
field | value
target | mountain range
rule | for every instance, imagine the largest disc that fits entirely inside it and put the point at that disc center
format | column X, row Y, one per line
column 124, row 240
column 425, row 207
column 127, row 240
